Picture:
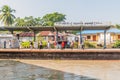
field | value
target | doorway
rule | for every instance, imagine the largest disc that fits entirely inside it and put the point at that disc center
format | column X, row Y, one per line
column 94, row 37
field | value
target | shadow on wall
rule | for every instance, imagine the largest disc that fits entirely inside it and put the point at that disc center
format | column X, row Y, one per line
column 15, row 70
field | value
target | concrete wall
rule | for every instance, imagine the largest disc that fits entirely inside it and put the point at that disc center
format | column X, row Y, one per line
column 61, row 55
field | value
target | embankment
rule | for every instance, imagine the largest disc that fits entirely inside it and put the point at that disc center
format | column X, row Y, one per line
column 68, row 54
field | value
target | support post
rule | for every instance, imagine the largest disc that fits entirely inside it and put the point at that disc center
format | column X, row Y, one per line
column 34, row 36
column 56, row 38
column 105, row 39
column 81, row 37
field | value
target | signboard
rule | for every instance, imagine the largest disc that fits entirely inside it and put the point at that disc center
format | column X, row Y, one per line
column 81, row 23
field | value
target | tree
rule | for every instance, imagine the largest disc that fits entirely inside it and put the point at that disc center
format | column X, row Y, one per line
column 117, row 26
column 28, row 21
column 38, row 21
column 6, row 15
column 19, row 22
column 50, row 19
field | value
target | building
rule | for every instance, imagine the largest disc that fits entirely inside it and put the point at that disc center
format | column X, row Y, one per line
column 26, row 36
column 97, row 36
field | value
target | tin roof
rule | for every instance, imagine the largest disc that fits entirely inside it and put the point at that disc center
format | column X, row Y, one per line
column 111, row 30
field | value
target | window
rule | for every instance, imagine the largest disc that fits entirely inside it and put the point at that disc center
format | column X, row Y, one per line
column 88, row 37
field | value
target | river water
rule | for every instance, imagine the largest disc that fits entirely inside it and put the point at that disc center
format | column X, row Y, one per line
column 59, row 69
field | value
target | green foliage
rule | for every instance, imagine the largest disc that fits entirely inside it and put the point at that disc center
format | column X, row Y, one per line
column 75, row 45
column 117, row 26
column 47, row 20
column 52, row 46
column 117, row 44
column 25, row 44
column 44, row 44
column 48, row 23
column 39, row 38
column 28, row 21
column 50, row 19
column 8, row 18
column 19, row 22
column 6, row 15
column 89, row 45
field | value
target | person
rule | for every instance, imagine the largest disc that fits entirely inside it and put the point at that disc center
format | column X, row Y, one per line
column 19, row 44
column 82, row 44
column 78, row 44
column 10, row 44
column 40, row 44
column 72, row 45
column 48, row 45
column 68, row 44
column 55, row 44
column 63, row 44
column 4, row 44
column 31, row 44
column 35, row 45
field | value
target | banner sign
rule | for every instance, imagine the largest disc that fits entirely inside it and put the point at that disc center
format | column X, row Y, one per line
column 81, row 23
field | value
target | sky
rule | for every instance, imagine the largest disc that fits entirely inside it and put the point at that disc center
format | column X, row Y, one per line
column 75, row 10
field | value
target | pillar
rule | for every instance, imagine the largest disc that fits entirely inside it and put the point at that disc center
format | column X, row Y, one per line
column 80, row 38
column 104, row 39
column 56, row 36
column 34, row 36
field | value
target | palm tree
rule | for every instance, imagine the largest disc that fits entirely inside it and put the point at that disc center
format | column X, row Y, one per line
column 6, row 15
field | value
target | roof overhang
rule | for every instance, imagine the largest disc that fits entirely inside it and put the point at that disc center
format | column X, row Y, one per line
column 55, row 28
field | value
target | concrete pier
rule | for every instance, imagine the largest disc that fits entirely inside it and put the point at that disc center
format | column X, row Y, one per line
column 62, row 54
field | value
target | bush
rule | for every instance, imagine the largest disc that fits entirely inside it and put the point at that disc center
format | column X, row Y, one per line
column 25, row 44
column 44, row 44
column 89, row 45
column 52, row 46
column 117, row 44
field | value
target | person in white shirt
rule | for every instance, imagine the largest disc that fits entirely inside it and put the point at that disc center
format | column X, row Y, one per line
column 48, row 45
column 10, row 44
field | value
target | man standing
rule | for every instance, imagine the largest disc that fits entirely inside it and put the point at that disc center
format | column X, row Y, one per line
column 82, row 45
column 40, row 44
column 48, row 45
column 4, row 44
column 10, row 44
column 63, row 44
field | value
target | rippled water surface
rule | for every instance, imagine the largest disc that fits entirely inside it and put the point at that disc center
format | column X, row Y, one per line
column 59, row 70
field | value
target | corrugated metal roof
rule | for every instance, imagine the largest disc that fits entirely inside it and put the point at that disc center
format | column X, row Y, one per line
column 111, row 30
column 91, row 31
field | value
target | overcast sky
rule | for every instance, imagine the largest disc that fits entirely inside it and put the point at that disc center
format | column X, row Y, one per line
column 75, row 10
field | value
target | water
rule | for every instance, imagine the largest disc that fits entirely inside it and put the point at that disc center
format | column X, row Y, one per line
column 59, row 70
